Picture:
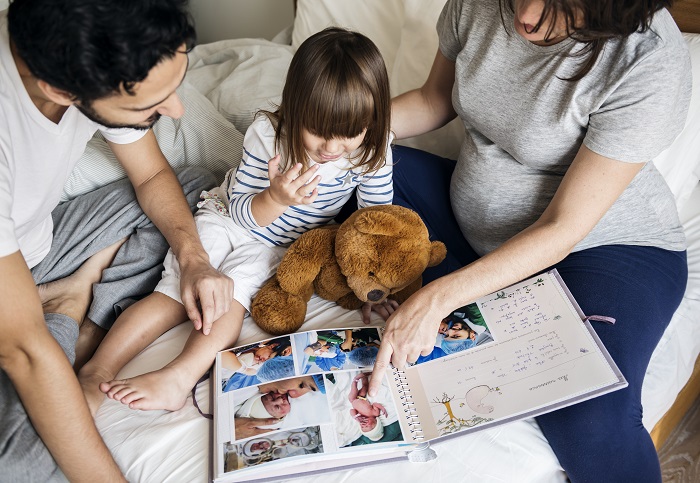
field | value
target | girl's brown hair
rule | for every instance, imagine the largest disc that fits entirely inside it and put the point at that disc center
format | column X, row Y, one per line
column 600, row 20
column 337, row 86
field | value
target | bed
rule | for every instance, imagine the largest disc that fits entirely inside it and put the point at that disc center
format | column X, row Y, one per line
column 226, row 83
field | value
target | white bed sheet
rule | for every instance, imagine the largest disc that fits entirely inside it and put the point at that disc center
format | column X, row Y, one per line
column 162, row 446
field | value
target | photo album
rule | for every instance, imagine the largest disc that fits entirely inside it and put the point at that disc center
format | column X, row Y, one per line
column 299, row 403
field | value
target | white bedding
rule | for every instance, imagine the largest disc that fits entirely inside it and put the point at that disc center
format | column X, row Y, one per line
column 161, row 446
column 165, row 446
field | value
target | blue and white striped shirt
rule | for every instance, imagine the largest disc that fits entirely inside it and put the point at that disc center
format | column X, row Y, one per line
column 338, row 181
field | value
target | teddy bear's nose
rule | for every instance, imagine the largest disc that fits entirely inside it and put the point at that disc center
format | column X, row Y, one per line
column 375, row 295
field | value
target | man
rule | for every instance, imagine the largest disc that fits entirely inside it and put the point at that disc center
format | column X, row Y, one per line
column 67, row 69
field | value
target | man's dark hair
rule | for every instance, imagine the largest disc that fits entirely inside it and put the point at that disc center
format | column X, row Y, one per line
column 93, row 48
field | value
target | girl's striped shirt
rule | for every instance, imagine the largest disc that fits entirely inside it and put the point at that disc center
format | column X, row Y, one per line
column 338, row 180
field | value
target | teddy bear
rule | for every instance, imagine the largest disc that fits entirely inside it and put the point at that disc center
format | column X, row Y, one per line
column 378, row 252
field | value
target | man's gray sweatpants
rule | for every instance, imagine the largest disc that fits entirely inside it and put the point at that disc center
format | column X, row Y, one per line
column 82, row 227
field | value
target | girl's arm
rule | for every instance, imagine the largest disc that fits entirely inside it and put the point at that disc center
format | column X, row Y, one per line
column 259, row 193
column 286, row 189
column 428, row 107
column 589, row 188
column 377, row 188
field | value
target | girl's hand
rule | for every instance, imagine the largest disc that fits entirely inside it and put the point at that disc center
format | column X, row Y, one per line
column 293, row 187
column 410, row 332
column 385, row 309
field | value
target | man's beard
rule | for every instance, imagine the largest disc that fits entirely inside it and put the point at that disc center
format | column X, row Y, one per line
column 91, row 114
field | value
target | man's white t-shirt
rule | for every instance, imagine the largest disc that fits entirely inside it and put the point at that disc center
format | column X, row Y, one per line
column 36, row 158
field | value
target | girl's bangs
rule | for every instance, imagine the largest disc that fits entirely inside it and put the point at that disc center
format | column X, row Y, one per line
column 330, row 115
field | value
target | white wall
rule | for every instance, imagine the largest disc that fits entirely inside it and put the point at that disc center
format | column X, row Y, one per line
column 228, row 19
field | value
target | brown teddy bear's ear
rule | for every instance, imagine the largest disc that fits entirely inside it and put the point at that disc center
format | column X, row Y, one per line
column 438, row 252
column 378, row 223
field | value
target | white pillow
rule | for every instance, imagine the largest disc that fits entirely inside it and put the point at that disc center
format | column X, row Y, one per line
column 202, row 137
column 380, row 20
column 680, row 163
column 414, row 58
column 240, row 76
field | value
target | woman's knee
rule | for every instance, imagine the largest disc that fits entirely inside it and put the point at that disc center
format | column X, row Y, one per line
column 603, row 439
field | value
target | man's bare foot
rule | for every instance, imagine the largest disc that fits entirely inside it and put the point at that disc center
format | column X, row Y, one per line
column 162, row 389
column 72, row 295
column 89, row 337
column 90, row 379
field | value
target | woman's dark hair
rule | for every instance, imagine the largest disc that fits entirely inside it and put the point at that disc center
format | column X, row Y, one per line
column 336, row 87
column 600, row 20
column 94, row 48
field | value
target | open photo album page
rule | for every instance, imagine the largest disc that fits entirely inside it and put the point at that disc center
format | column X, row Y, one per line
column 306, row 393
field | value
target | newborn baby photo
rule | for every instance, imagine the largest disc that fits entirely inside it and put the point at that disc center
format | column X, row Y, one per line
column 360, row 419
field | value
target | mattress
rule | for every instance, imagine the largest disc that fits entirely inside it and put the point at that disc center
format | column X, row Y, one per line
column 162, row 446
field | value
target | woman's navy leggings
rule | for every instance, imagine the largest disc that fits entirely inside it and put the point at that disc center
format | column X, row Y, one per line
column 603, row 439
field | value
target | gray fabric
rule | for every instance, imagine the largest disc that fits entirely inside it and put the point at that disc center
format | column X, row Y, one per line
column 87, row 224
column 23, row 457
column 525, row 124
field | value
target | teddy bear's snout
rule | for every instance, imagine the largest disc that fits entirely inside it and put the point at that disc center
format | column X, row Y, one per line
column 375, row 295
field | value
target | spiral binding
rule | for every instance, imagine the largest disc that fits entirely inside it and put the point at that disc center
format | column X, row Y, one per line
column 409, row 407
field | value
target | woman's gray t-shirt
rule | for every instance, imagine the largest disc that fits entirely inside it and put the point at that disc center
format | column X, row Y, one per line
column 525, row 124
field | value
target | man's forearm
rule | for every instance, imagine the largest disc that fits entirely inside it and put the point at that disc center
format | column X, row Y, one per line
column 162, row 200
column 206, row 293
column 54, row 402
column 160, row 195
column 45, row 382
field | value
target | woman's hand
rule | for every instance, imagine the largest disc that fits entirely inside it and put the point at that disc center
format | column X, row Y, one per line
column 293, row 187
column 410, row 332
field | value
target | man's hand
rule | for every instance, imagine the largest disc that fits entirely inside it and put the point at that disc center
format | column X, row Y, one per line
column 206, row 293
column 346, row 346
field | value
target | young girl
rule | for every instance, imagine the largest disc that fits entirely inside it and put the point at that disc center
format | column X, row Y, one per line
column 329, row 136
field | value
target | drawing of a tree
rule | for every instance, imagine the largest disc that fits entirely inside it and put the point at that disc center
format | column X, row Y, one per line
column 445, row 400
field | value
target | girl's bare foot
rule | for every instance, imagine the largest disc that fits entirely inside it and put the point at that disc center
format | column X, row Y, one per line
column 90, row 379
column 166, row 388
